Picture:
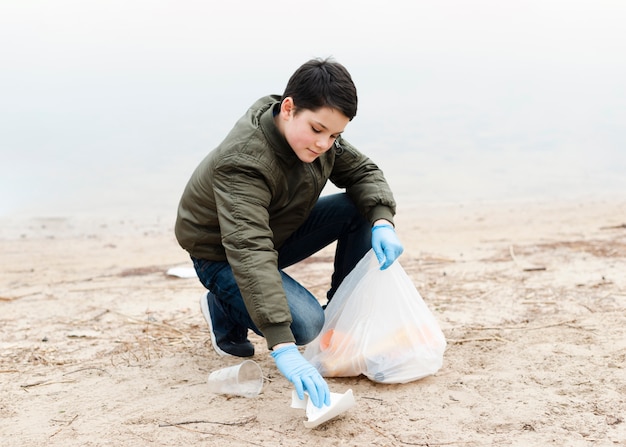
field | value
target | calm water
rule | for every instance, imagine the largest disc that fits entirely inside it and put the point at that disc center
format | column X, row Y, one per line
column 106, row 107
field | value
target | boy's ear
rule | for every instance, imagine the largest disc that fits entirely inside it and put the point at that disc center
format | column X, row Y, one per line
column 287, row 107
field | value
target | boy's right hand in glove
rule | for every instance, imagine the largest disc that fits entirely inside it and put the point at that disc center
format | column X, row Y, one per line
column 302, row 374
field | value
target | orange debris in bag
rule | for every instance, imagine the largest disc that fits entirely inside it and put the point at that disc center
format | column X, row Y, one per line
column 333, row 340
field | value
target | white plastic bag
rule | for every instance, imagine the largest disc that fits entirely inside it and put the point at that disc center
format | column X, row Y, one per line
column 378, row 325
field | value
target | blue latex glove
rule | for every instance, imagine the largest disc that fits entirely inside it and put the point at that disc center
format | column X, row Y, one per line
column 386, row 245
column 302, row 374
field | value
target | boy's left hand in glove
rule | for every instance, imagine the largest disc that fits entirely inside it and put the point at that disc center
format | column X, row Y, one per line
column 386, row 245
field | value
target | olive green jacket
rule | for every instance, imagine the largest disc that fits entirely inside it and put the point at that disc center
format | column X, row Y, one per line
column 252, row 192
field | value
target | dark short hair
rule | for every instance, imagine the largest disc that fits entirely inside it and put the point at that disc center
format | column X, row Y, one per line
column 323, row 83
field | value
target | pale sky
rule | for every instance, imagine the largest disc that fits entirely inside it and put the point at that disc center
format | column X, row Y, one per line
column 139, row 90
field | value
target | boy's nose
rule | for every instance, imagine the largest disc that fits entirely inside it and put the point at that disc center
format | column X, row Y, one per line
column 323, row 143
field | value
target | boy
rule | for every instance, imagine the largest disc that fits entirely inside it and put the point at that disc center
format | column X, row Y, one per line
column 253, row 207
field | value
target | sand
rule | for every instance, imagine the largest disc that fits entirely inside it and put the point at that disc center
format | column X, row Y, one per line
column 100, row 347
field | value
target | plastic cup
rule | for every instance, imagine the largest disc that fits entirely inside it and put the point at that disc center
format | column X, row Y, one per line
column 245, row 379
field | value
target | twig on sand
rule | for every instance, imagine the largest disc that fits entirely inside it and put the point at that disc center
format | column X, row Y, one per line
column 432, row 443
column 529, row 268
column 373, row 427
column 45, row 382
column 67, row 424
column 466, row 340
column 52, row 382
column 157, row 324
column 87, row 368
column 13, row 298
column 614, row 227
column 372, row 398
column 98, row 316
column 176, row 424
column 538, row 302
column 525, row 328
column 180, row 426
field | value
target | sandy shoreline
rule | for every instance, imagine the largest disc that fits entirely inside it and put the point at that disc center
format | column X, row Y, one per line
column 100, row 347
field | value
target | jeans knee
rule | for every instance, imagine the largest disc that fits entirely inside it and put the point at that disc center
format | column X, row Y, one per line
column 306, row 329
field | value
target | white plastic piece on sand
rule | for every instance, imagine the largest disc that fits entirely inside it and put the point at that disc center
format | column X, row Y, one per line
column 339, row 403
column 182, row 272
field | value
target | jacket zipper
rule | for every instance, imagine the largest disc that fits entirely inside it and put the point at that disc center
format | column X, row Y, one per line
column 315, row 181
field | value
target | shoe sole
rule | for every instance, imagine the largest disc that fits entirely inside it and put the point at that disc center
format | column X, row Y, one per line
column 204, row 307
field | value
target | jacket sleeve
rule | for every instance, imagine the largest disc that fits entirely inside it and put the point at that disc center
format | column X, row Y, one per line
column 364, row 182
column 242, row 197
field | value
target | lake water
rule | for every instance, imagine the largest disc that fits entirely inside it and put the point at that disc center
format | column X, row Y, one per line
column 107, row 107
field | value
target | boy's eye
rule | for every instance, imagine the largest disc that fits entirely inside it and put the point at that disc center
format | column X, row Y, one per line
column 316, row 130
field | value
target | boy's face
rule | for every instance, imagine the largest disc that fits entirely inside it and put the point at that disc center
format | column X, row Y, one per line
column 309, row 133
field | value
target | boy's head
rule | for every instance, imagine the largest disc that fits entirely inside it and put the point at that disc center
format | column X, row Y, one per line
column 322, row 83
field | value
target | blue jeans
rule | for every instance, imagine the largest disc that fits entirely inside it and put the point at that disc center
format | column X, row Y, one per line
column 333, row 218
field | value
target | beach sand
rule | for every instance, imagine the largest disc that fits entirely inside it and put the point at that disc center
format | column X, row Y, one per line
column 100, row 347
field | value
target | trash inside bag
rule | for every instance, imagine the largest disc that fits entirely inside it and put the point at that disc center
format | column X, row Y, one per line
column 378, row 325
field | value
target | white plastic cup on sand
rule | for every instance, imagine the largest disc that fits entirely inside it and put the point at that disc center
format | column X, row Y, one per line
column 245, row 379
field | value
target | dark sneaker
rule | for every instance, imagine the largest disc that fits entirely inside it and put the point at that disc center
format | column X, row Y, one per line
column 233, row 342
